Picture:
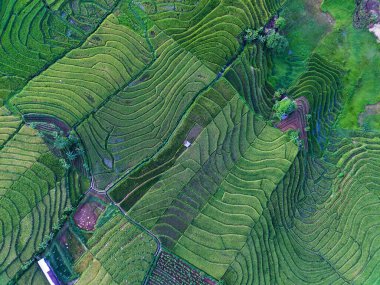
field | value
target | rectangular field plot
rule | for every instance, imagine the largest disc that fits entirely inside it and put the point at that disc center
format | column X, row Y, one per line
column 118, row 252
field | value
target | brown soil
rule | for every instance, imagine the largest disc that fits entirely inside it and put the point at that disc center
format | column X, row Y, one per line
column 297, row 120
column 87, row 215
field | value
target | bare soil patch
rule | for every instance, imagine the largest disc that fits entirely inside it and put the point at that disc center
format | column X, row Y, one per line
column 297, row 120
column 373, row 109
column 89, row 211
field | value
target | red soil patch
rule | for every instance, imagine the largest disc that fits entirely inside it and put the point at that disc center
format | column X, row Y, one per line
column 87, row 215
column 297, row 120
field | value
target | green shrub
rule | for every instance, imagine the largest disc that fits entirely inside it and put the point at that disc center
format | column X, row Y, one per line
column 280, row 23
column 276, row 42
column 284, row 107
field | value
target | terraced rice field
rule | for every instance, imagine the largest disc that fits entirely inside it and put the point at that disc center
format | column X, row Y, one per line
column 169, row 107
column 33, row 36
column 321, row 85
column 119, row 252
column 33, row 195
column 79, row 82
column 206, row 191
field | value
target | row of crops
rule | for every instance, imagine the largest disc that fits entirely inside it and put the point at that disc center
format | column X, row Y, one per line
column 171, row 270
column 209, row 29
column 170, row 105
column 76, row 84
column 321, row 85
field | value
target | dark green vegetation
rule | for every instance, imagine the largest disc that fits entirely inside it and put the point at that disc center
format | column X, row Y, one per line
column 171, row 109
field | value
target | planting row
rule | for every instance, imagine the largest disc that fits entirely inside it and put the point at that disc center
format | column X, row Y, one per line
column 139, row 119
column 321, row 86
column 210, row 30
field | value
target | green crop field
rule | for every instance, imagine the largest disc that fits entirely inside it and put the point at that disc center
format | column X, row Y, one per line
column 190, row 142
column 118, row 252
column 34, row 194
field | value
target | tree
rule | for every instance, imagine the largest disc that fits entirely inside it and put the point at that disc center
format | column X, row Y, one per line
column 73, row 138
column 251, row 35
column 284, row 107
column 276, row 42
column 280, row 23
column 71, row 155
column 61, row 142
column 79, row 150
column 86, row 167
column 295, row 137
column 64, row 164
column 279, row 92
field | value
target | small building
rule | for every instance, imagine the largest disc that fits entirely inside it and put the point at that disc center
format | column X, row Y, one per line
column 48, row 272
column 187, row 144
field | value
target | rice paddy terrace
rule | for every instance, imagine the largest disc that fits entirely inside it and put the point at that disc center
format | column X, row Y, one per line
column 148, row 142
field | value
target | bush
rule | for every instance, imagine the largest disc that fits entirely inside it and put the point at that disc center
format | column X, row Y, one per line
column 284, row 107
column 251, row 35
column 276, row 42
column 279, row 92
column 280, row 23
column 61, row 142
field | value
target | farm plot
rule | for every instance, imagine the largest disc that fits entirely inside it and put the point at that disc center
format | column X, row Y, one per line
column 210, row 30
column 204, row 206
column 9, row 125
column 171, row 270
column 33, row 276
column 322, row 221
column 33, row 195
column 138, row 120
column 119, row 253
column 248, row 75
column 207, row 105
column 321, row 86
column 32, row 38
column 82, row 14
column 77, row 84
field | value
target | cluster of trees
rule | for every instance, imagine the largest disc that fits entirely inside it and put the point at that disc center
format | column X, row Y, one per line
column 69, row 146
column 270, row 37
